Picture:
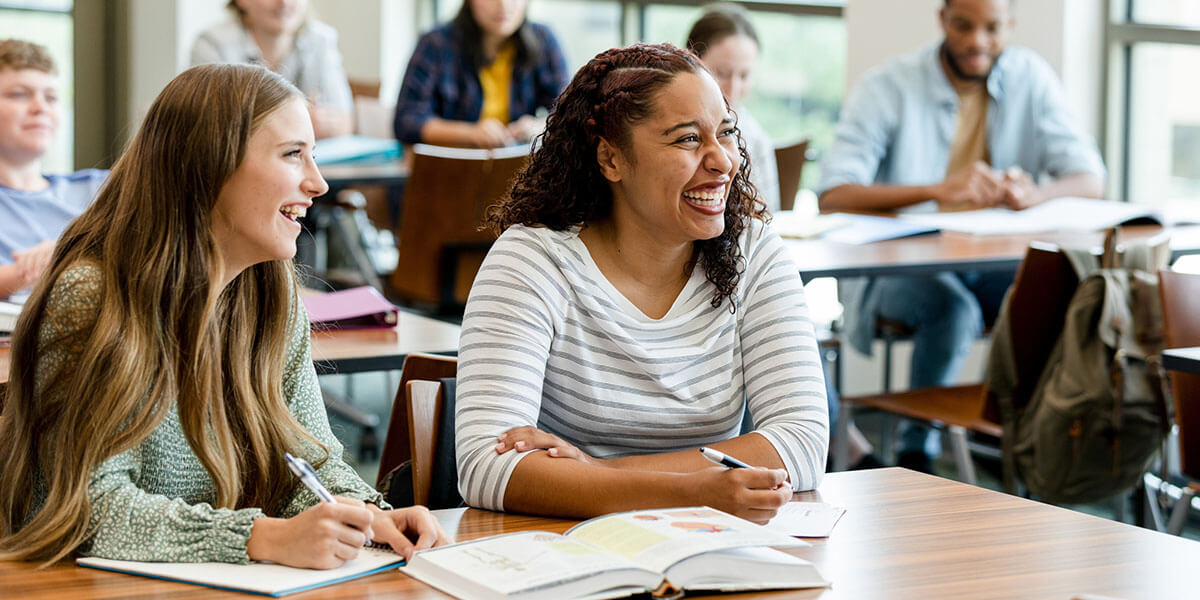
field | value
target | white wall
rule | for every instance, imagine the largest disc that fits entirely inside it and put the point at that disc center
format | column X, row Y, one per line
column 1067, row 33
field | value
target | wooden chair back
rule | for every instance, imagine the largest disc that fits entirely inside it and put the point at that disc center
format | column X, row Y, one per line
column 425, row 401
column 789, row 161
column 1181, row 329
column 440, row 242
column 397, row 447
column 1043, row 288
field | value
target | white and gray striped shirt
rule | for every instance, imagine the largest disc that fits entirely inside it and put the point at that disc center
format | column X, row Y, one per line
column 548, row 341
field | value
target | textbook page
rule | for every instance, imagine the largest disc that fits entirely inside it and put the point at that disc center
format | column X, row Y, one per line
column 1059, row 214
column 658, row 539
column 529, row 563
column 261, row 578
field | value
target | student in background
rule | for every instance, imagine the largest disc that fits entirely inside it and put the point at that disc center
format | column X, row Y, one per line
column 962, row 123
column 281, row 36
column 36, row 207
column 162, row 369
column 726, row 41
column 480, row 80
column 633, row 308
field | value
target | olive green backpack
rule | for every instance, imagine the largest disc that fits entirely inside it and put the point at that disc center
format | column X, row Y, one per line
column 1100, row 410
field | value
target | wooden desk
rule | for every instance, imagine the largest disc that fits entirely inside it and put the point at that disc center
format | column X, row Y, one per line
column 357, row 350
column 953, row 251
column 904, row 535
column 1186, row 360
column 343, row 175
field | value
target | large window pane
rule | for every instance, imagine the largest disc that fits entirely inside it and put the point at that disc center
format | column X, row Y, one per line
column 1164, row 127
column 801, row 75
column 584, row 28
column 53, row 30
column 1176, row 13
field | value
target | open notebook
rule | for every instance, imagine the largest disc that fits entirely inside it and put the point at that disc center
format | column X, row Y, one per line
column 265, row 579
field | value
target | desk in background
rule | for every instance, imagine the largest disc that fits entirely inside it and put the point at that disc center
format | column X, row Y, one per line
column 358, row 350
column 904, row 535
column 951, row 251
column 1186, row 360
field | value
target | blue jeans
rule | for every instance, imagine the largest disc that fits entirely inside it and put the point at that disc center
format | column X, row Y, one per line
column 946, row 312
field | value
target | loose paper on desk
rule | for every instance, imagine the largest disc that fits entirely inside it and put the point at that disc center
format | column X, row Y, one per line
column 1059, row 214
column 806, row 519
column 793, row 224
column 864, row 229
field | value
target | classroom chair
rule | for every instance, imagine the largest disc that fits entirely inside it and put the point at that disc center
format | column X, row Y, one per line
column 1043, row 287
column 440, row 243
column 397, row 446
column 1181, row 329
column 431, row 426
column 789, row 162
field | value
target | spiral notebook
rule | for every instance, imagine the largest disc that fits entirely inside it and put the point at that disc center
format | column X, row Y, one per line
column 265, row 579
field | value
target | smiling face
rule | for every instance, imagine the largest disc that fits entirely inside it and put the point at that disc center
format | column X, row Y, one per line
column 276, row 17
column 731, row 60
column 498, row 18
column 254, row 219
column 671, row 177
column 976, row 32
column 29, row 114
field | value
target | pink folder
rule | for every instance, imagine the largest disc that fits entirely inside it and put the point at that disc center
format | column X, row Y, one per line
column 358, row 307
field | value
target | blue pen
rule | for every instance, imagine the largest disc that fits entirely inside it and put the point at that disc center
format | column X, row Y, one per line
column 308, row 477
column 723, row 459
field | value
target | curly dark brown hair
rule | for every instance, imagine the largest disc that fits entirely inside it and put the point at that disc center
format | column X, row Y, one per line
column 562, row 186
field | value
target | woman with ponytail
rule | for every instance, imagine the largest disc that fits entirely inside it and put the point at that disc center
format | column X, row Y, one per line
column 161, row 368
column 635, row 308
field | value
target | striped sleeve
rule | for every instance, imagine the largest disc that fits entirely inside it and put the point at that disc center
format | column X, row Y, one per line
column 785, row 384
column 503, row 349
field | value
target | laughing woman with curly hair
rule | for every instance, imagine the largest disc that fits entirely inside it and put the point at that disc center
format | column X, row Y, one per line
column 634, row 309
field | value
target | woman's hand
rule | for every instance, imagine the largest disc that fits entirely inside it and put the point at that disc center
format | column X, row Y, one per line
column 490, row 133
column 399, row 528
column 526, row 438
column 32, row 261
column 322, row 537
column 752, row 494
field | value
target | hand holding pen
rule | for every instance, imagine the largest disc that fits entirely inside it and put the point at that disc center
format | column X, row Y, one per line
column 392, row 527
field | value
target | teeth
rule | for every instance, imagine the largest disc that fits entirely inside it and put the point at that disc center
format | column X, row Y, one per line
column 294, row 211
column 712, row 198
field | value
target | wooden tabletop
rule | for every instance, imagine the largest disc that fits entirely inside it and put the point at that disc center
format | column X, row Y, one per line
column 904, row 535
column 953, row 251
column 357, row 350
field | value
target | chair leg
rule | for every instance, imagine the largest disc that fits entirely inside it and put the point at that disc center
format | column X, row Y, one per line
column 887, row 364
column 962, row 454
column 1151, row 488
column 1180, row 512
column 887, row 434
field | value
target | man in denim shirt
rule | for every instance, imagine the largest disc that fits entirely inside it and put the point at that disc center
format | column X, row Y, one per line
column 960, row 124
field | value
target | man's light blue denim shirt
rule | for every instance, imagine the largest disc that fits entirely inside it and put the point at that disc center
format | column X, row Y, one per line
column 899, row 122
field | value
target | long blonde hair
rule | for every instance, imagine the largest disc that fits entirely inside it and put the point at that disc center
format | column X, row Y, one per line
column 165, row 332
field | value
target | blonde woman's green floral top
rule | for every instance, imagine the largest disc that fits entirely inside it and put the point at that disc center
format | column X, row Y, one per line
column 154, row 502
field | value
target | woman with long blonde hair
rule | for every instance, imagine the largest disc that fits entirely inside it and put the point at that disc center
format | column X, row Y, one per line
column 161, row 368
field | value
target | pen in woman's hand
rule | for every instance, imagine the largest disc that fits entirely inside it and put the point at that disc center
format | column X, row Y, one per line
column 723, row 459
column 308, row 477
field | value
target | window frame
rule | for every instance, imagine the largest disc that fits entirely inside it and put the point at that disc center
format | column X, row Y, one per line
column 1121, row 33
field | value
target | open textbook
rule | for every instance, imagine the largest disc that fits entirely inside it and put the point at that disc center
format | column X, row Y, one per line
column 262, row 578
column 618, row 555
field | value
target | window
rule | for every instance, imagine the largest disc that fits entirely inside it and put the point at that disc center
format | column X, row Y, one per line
column 801, row 75
column 49, row 23
column 1154, row 137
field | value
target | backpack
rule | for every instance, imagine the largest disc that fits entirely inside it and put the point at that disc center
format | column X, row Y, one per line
column 1100, row 410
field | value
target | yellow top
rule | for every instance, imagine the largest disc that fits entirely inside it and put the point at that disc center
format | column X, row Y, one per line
column 970, row 139
column 496, row 81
